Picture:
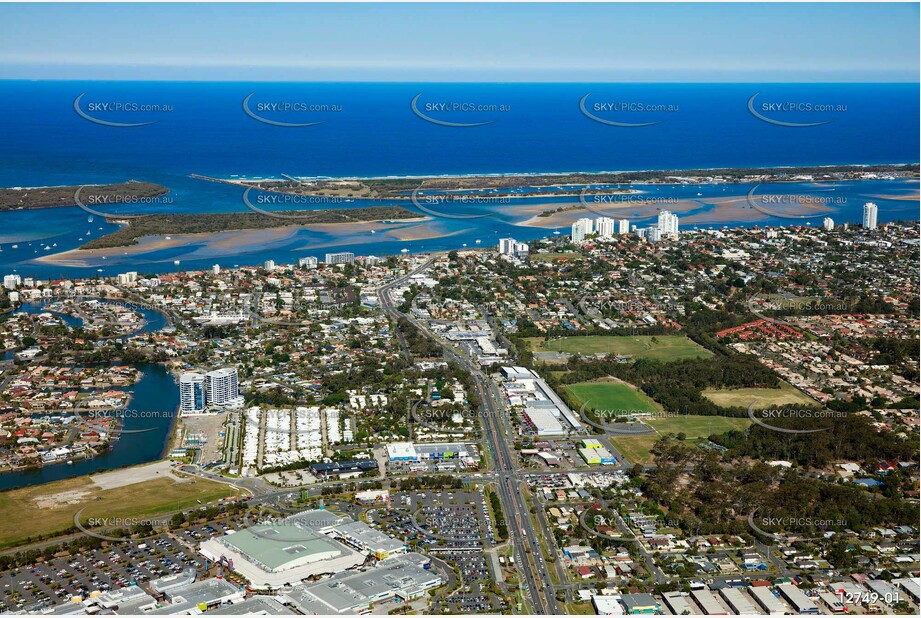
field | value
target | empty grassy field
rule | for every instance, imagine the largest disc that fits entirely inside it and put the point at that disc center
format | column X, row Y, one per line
column 50, row 508
column 658, row 347
column 635, row 449
column 761, row 397
column 552, row 257
column 697, row 426
column 612, row 396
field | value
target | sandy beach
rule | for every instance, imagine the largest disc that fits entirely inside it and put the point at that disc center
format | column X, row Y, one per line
column 220, row 243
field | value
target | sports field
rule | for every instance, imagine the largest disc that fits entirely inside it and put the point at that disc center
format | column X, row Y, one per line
column 761, row 397
column 697, row 426
column 658, row 347
column 612, row 397
column 49, row 508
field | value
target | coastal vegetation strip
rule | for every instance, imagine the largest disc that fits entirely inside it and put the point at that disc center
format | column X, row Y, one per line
column 26, row 198
column 511, row 184
column 204, row 223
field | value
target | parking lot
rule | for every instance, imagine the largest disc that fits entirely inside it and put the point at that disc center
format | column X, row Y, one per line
column 453, row 526
column 39, row 585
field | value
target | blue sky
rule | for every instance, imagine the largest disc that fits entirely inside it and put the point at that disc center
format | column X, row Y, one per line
column 462, row 42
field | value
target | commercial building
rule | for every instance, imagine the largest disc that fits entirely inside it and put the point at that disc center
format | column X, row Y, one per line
column 708, row 603
column 546, row 413
column 344, row 469
column 828, row 224
column 833, row 602
column 364, row 538
column 283, row 553
column 737, row 601
column 590, row 455
column 640, row 603
column 402, row 451
column 870, row 213
column 598, row 456
column 402, row 578
column 192, row 398
column 198, row 597
column 766, row 600
column 607, row 605
column 255, row 606
column 371, row 496
column 343, row 257
column 797, row 599
column 677, row 603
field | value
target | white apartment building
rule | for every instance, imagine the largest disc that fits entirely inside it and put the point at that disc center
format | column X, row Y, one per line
column 340, row 258
column 870, row 213
column 222, row 387
column 668, row 223
column 192, row 398
column 513, row 248
column 581, row 229
column 307, row 262
column 11, row 282
column 605, row 227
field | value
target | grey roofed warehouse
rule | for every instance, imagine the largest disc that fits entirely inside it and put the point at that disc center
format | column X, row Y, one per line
column 403, row 577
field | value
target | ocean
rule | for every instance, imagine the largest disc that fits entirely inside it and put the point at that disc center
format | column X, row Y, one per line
column 62, row 133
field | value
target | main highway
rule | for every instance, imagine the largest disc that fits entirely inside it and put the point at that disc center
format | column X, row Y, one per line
column 528, row 556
